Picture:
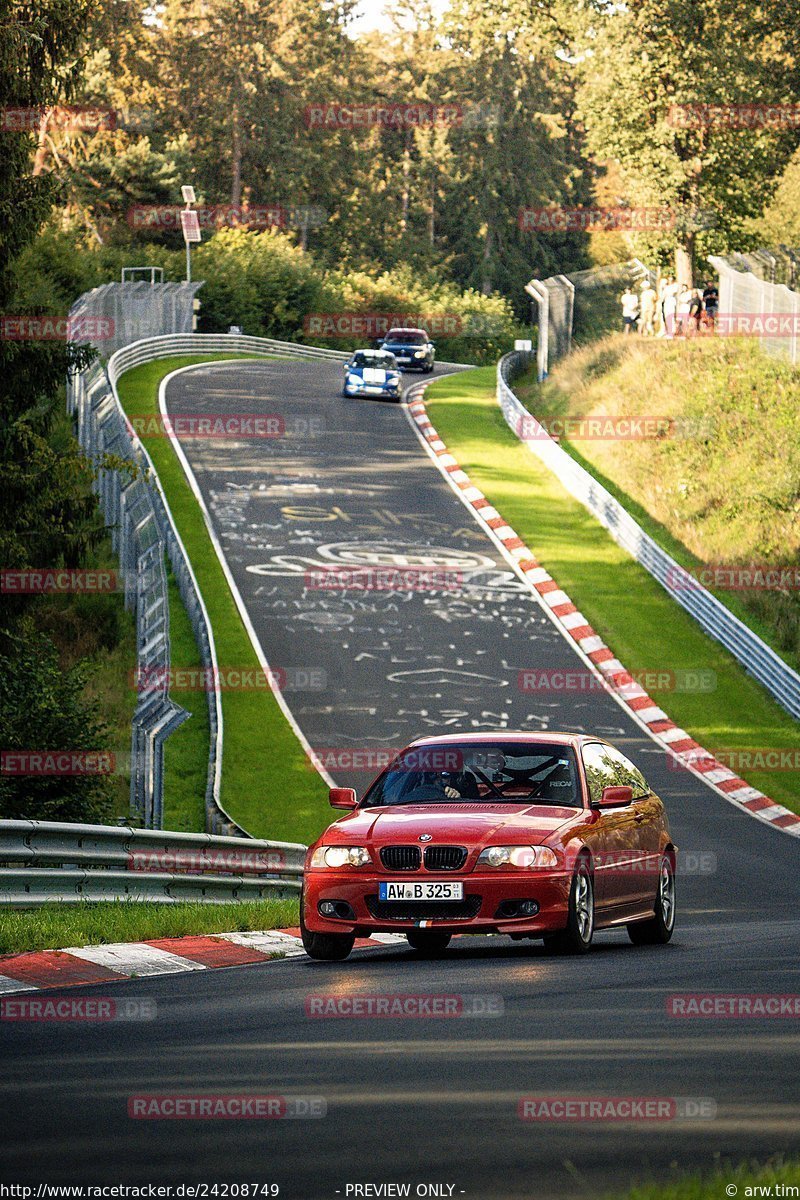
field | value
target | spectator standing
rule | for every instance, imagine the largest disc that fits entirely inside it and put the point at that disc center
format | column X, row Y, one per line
column 669, row 305
column 710, row 304
column 695, row 310
column 648, row 304
column 630, row 309
column 682, row 313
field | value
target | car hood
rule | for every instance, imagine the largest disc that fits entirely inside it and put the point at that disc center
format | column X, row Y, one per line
column 467, row 824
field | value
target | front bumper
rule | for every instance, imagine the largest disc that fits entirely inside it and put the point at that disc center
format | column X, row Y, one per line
column 480, row 912
column 393, row 393
column 407, row 362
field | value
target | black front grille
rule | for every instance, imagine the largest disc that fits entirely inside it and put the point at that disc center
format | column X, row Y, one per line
column 445, row 858
column 425, row 910
column 400, row 858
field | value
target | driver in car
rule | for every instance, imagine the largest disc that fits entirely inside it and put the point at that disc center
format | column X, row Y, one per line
column 455, row 785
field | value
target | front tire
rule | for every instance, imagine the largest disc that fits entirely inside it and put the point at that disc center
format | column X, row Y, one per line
column 428, row 942
column 577, row 937
column 327, row 947
column 657, row 931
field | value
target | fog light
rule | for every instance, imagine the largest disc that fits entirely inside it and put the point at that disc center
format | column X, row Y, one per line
column 336, row 908
column 528, row 908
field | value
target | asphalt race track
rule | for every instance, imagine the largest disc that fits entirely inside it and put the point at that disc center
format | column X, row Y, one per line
column 422, row 1100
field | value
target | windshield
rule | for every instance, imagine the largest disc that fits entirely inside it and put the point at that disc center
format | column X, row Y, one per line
column 408, row 337
column 384, row 362
column 495, row 773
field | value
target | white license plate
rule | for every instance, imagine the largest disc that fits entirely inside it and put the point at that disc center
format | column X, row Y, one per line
column 401, row 359
column 406, row 890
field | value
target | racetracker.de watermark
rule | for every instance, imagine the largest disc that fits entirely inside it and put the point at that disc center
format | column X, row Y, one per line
column 757, row 324
column 740, row 760
column 600, row 428
column 200, row 862
column 44, row 580
column 208, row 425
column 377, row 325
column 58, row 762
column 25, row 327
column 552, row 679
column 376, row 758
column 734, row 1005
column 647, row 1109
column 734, row 116
column 91, row 1009
column 729, row 577
column 403, row 1005
column 229, row 679
column 228, row 216
column 73, row 118
column 383, row 579
column 332, row 117
column 553, row 219
column 201, row 1106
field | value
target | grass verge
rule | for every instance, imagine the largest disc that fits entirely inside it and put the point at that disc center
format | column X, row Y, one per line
column 723, row 486
column 55, row 926
column 746, row 1179
column 268, row 785
column 185, row 750
column 648, row 631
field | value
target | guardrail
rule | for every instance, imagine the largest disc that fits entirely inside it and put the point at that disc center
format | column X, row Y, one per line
column 43, row 861
column 143, row 530
column 757, row 658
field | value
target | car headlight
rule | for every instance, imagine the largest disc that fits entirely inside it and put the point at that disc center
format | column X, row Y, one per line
column 393, row 377
column 355, row 381
column 420, row 353
column 530, row 857
column 340, row 856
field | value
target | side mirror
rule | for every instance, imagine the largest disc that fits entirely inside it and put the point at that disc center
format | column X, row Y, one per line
column 614, row 797
column 346, row 798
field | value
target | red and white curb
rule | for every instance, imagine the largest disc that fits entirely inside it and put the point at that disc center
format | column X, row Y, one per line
column 590, row 646
column 117, row 962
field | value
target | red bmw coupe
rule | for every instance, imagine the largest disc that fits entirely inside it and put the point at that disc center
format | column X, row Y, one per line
column 546, row 836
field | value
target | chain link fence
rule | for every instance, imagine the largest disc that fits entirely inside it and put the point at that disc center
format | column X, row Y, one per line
column 125, row 498
column 130, row 324
column 583, row 305
column 117, row 314
column 751, row 303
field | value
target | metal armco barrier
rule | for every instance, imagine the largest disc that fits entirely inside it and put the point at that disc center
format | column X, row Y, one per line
column 43, row 861
column 143, row 531
column 757, row 658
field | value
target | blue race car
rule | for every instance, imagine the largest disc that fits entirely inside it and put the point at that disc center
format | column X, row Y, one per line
column 412, row 348
column 372, row 373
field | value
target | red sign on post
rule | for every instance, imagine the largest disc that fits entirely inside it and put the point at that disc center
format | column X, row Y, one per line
column 190, row 224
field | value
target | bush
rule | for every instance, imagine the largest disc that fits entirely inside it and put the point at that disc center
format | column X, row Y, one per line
column 43, row 707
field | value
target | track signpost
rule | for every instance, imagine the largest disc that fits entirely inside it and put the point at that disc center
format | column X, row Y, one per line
column 190, row 224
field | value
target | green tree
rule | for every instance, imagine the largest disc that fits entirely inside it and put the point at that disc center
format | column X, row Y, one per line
column 638, row 61
column 43, row 707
